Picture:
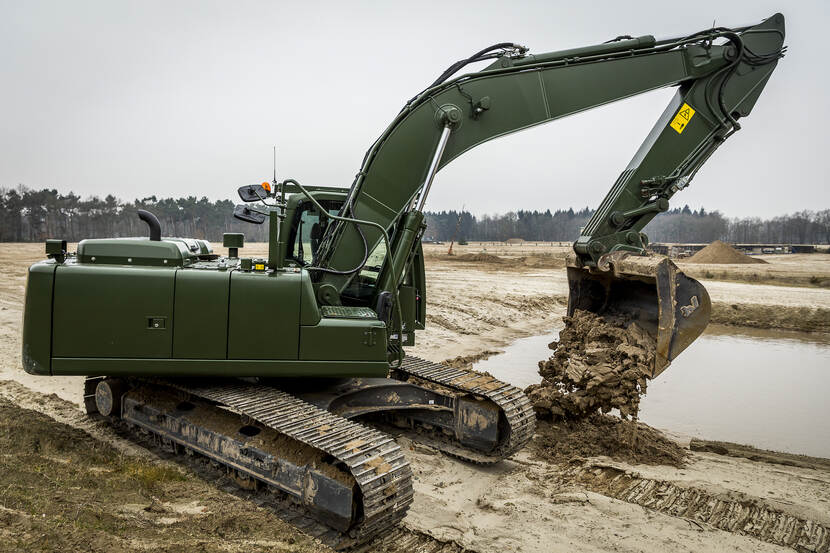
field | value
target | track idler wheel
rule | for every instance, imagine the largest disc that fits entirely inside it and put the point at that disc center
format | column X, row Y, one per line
column 650, row 290
column 108, row 394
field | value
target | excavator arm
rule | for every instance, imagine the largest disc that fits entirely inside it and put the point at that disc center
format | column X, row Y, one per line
column 719, row 74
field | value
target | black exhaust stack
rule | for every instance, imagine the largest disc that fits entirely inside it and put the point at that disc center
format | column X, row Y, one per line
column 152, row 222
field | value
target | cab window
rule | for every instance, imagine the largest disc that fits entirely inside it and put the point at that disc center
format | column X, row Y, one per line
column 309, row 229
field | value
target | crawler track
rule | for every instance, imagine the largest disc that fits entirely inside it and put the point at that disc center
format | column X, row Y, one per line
column 519, row 419
column 373, row 459
column 382, row 476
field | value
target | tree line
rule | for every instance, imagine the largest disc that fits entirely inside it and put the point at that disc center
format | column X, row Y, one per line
column 676, row 225
column 28, row 215
column 32, row 215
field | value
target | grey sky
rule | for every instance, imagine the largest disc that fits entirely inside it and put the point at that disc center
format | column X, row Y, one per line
column 187, row 98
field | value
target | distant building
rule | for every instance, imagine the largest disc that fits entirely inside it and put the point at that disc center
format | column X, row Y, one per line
column 679, row 250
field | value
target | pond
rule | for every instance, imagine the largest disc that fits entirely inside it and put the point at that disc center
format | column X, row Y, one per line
column 765, row 388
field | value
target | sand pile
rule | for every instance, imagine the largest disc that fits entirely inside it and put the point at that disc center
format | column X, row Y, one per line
column 477, row 258
column 598, row 364
column 540, row 261
column 721, row 252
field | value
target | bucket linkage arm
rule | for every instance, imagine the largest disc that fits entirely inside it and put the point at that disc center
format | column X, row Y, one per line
column 608, row 272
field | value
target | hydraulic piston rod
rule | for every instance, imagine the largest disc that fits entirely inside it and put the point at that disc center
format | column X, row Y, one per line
column 433, row 166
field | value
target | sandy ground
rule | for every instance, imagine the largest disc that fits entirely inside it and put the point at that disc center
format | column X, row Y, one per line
column 65, row 490
column 529, row 504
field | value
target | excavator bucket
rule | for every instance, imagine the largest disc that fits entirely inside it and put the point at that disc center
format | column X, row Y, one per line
column 651, row 290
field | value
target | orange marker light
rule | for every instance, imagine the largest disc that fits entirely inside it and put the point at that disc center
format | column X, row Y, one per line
column 266, row 186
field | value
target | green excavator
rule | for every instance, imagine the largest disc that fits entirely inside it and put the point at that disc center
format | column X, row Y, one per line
column 287, row 371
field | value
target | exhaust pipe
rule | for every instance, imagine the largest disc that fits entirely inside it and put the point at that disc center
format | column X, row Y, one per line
column 650, row 290
column 152, row 222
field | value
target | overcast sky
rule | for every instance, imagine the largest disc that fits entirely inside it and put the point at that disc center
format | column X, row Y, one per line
column 187, row 98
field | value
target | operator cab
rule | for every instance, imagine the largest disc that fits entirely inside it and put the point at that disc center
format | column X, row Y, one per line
column 304, row 227
column 304, row 236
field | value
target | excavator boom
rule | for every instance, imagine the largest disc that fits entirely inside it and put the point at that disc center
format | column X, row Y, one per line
column 719, row 74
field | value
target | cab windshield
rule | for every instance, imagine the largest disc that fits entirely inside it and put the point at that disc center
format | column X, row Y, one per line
column 308, row 230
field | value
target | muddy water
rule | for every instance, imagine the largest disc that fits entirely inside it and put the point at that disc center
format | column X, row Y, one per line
column 760, row 387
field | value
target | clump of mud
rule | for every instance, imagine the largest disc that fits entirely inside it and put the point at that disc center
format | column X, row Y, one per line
column 721, row 252
column 598, row 364
column 632, row 442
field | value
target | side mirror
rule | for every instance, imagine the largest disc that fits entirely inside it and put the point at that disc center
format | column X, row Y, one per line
column 245, row 213
column 252, row 193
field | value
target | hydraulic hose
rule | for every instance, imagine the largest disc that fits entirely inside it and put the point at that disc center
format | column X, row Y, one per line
column 481, row 55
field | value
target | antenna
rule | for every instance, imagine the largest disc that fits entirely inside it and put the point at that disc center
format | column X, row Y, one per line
column 275, row 165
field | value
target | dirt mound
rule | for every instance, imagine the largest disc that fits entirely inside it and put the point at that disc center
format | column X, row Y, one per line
column 721, row 252
column 541, row 261
column 605, row 435
column 477, row 258
column 598, row 364
column 789, row 317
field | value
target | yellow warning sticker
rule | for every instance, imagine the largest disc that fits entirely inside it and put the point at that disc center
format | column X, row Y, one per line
column 682, row 118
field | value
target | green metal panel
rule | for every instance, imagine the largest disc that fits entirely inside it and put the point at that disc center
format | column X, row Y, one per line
column 406, row 296
column 201, row 315
column 218, row 367
column 264, row 315
column 111, row 311
column 419, row 282
column 575, row 88
column 128, row 251
column 37, row 318
column 309, row 310
column 344, row 339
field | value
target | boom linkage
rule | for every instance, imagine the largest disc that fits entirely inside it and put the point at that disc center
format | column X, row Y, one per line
column 720, row 74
